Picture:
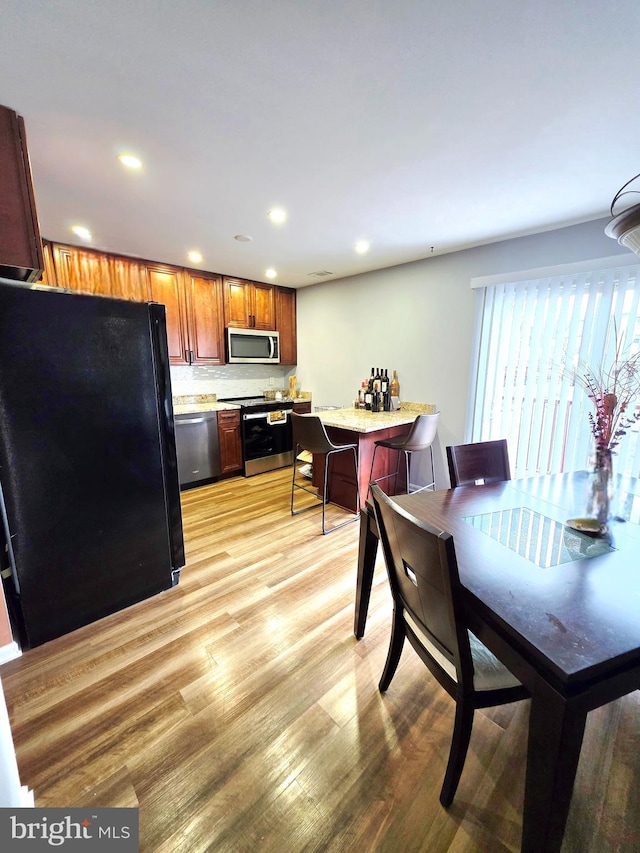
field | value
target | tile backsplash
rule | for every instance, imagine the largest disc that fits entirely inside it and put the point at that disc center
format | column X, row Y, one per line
column 231, row 380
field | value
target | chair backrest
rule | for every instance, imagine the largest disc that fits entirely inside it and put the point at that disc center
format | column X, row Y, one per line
column 310, row 434
column 423, row 432
column 423, row 576
column 480, row 462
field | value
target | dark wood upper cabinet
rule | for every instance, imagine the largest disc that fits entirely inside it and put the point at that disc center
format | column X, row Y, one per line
column 194, row 313
column 100, row 274
column 21, row 255
column 205, row 319
column 49, row 273
column 166, row 285
column 286, row 325
column 249, row 304
column 194, row 301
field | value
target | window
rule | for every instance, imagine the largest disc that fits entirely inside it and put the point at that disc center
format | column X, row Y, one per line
column 534, row 334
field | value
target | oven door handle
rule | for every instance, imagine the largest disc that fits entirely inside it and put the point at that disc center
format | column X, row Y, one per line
column 254, row 416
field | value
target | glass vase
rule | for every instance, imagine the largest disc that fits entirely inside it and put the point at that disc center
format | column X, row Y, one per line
column 601, row 487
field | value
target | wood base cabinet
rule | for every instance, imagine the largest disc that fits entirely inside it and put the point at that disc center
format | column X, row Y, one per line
column 230, row 442
column 20, row 247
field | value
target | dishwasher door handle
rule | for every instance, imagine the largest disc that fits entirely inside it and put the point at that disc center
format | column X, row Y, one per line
column 180, row 419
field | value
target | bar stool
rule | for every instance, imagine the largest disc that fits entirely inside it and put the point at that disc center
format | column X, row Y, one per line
column 309, row 434
column 420, row 437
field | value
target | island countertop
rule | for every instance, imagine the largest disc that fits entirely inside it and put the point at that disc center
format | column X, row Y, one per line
column 360, row 420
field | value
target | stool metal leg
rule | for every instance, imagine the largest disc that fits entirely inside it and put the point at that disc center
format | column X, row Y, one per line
column 326, row 529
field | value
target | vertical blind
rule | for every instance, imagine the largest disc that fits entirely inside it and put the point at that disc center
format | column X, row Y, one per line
column 535, row 336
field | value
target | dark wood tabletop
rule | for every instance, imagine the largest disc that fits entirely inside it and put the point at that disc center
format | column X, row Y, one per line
column 560, row 608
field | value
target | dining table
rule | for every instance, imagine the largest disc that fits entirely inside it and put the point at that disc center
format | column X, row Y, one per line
column 558, row 606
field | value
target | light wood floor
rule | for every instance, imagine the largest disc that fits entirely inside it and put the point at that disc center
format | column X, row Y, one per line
column 239, row 713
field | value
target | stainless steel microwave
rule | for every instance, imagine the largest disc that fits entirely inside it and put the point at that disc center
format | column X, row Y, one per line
column 252, row 346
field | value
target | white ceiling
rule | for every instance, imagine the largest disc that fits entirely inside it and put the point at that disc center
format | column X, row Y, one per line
column 407, row 123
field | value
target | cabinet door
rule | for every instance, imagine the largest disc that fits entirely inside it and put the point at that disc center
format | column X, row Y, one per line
column 249, row 305
column 99, row 273
column 165, row 285
column 263, row 307
column 286, row 325
column 127, row 279
column 86, row 272
column 302, row 408
column 20, row 247
column 49, row 273
column 229, row 440
column 205, row 319
column 237, row 303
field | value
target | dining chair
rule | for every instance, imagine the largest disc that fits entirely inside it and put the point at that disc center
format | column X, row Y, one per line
column 309, row 434
column 478, row 463
column 419, row 438
column 428, row 611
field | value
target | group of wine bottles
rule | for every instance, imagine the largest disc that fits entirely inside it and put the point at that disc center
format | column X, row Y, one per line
column 375, row 395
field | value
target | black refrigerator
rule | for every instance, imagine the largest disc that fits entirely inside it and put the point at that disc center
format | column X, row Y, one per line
column 89, row 492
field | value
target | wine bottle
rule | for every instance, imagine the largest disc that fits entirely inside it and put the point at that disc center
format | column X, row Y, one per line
column 369, row 392
column 376, row 380
column 386, row 392
column 395, row 385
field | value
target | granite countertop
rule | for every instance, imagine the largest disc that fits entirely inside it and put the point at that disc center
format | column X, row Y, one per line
column 360, row 420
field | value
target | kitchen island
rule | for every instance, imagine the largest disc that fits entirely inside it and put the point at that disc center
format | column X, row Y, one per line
column 363, row 428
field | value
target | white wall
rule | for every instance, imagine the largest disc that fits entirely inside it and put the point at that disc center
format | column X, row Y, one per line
column 418, row 318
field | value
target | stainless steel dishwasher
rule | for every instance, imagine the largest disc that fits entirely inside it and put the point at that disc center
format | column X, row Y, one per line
column 197, row 447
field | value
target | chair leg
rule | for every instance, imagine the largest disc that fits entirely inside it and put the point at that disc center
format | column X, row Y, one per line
column 385, row 476
column 367, row 550
column 298, row 485
column 432, row 484
column 458, row 752
column 373, row 462
column 407, row 455
column 398, row 633
column 293, row 479
column 356, row 516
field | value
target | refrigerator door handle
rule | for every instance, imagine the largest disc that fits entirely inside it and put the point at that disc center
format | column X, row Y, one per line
column 9, row 543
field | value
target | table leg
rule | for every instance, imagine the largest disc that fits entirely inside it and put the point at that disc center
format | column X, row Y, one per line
column 367, row 550
column 556, row 729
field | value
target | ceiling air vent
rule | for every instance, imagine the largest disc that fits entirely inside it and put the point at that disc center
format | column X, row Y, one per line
column 320, row 273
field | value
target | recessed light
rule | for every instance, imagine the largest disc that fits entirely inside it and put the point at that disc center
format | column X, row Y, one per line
column 270, row 273
column 195, row 257
column 277, row 215
column 361, row 247
column 81, row 231
column 243, row 238
column 130, row 161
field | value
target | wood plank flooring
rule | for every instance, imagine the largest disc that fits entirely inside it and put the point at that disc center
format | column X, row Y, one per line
column 239, row 713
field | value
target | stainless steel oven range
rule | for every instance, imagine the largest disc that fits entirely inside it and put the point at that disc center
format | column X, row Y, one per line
column 267, row 434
